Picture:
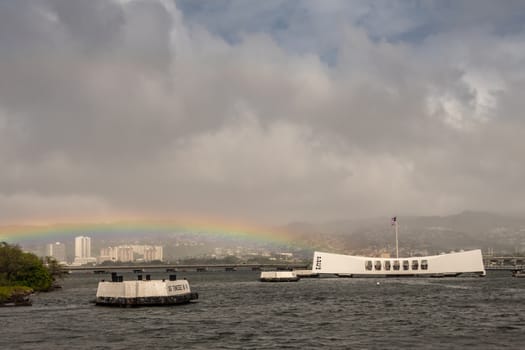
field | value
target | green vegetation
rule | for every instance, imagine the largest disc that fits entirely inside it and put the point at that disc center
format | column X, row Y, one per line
column 21, row 273
column 16, row 294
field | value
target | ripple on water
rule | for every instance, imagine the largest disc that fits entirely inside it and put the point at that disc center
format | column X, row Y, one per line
column 236, row 311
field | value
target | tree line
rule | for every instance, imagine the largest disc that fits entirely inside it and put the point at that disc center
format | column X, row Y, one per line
column 21, row 269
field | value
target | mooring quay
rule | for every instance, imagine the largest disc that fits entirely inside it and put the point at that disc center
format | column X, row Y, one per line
column 199, row 268
column 509, row 263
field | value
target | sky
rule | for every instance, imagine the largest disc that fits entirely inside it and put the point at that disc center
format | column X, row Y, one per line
column 264, row 111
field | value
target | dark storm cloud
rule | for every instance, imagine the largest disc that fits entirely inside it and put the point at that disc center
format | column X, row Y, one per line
column 92, row 25
column 270, row 111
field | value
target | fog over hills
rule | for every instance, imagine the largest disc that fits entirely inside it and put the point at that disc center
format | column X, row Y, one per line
column 499, row 234
column 504, row 234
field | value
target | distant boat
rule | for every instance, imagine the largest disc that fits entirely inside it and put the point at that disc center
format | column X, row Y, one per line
column 443, row 265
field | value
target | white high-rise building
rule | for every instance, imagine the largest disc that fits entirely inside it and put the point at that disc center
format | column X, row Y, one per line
column 149, row 252
column 82, row 247
column 57, row 250
column 128, row 253
column 107, row 254
column 83, row 251
column 124, row 254
column 120, row 253
column 153, row 253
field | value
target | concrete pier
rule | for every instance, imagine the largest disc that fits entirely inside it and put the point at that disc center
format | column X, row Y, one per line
column 278, row 276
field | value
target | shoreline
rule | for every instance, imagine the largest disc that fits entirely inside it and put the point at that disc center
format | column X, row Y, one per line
column 15, row 296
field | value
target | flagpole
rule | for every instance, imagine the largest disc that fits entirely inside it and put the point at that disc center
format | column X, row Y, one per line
column 397, row 245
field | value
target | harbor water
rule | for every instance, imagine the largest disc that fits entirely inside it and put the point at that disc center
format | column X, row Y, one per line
column 236, row 311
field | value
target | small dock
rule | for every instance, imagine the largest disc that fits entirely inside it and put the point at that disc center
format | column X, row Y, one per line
column 278, row 276
column 306, row 273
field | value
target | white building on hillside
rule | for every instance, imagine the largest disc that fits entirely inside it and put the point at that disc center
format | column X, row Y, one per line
column 152, row 253
column 127, row 253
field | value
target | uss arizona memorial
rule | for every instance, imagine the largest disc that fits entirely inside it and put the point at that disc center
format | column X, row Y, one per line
column 451, row 264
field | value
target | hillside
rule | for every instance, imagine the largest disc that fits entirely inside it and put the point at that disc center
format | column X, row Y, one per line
column 418, row 234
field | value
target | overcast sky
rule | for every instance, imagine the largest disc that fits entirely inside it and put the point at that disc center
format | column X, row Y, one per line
column 267, row 111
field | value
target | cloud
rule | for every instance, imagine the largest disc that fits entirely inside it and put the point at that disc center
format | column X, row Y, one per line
column 28, row 208
column 156, row 107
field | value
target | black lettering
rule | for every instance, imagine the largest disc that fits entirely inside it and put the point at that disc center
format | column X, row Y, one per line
column 318, row 263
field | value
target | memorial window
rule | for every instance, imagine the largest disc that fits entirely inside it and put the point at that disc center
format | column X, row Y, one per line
column 396, row 265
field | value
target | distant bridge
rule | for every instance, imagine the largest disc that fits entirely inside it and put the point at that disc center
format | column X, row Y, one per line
column 186, row 267
column 490, row 262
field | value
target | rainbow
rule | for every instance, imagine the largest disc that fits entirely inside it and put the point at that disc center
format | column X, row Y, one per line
column 219, row 228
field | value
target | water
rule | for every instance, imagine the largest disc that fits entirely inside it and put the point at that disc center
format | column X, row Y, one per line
column 236, row 311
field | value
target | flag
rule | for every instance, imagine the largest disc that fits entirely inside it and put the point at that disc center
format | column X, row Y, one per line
column 394, row 220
